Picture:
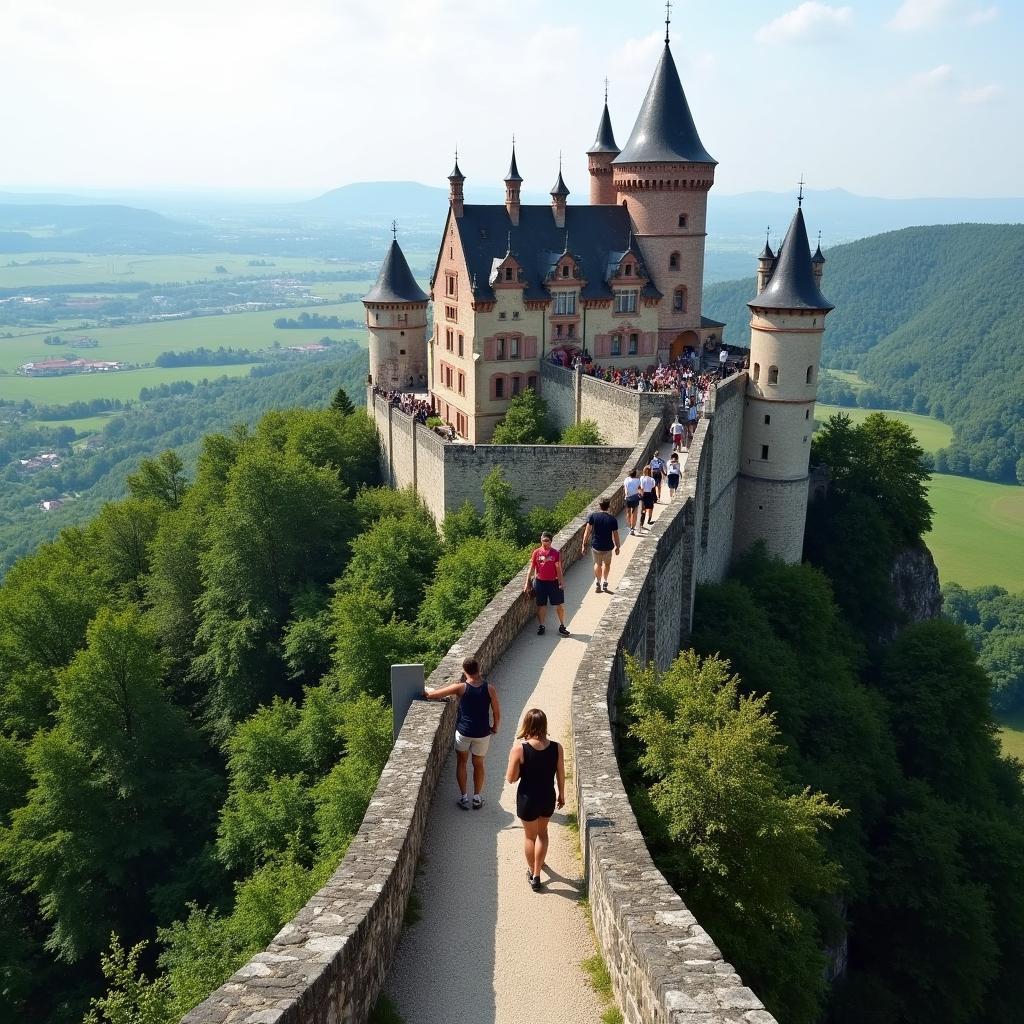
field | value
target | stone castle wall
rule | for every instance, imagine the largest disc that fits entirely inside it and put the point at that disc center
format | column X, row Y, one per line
column 327, row 965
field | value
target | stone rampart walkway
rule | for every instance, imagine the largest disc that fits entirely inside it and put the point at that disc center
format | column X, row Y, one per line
column 487, row 948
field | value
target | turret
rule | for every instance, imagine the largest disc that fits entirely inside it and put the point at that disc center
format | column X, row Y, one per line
column 559, row 194
column 599, row 160
column 513, row 183
column 662, row 177
column 765, row 266
column 455, row 183
column 396, row 324
column 818, row 262
column 786, row 329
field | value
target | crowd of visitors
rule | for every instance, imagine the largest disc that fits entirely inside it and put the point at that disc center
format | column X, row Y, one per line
column 412, row 404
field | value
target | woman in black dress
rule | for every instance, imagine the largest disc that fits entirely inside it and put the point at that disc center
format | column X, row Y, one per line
column 536, row 763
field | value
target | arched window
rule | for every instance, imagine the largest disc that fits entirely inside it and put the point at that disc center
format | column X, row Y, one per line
column 679, row 300
column 810, row 374
column 773, row 375
column 757, row 372
column 673, row 261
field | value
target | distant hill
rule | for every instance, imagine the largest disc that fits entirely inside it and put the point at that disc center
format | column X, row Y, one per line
column 376, row 200
column 933, row 319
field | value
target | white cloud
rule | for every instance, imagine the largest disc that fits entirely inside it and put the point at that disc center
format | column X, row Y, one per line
column 934, row 79
column 981, row 94
column 810, row 22
column 637, row 56
column 983, row 16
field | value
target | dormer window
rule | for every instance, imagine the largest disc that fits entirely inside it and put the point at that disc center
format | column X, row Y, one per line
column 565, row 271
column 629, row 270
column 508, row 273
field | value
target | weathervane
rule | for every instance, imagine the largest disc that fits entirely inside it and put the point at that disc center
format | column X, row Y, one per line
column 394, row 230
column 606, row 89
column 767, row 233
column 819, row 238
column 800, row 195
column 668, row 18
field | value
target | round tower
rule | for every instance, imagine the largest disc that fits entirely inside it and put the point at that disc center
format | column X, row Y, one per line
column 559, row 195
column 786, row 329
column 662, row 177
column 396, row 325
column 599, row 161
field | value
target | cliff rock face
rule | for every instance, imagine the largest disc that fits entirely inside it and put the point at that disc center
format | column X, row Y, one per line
column 915, row 584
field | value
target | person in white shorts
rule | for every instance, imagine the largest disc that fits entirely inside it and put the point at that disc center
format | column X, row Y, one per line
column 478, row 702
column 631, row 488
column 676, row 430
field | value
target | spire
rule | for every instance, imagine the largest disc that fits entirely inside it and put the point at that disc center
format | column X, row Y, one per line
column 513, row 170
column 767, row 253
column 818, row 256
column 560, row 188
column 668, row 18
column 664, row 131
column 605, row 141
column 456, row 174
column 793, row 284
column 395, row 282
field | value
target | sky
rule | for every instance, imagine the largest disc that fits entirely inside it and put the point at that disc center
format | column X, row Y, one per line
column 891, row 98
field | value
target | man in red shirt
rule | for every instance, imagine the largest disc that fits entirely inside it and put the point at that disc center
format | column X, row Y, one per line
column 549, row 584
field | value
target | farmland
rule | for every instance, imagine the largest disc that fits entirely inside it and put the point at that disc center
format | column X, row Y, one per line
column 931, row 434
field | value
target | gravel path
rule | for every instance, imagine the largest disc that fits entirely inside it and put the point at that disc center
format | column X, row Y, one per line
column 487, row 948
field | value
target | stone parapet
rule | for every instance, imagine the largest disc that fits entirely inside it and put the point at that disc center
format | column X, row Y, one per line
column 327, row 965
column 665, row 968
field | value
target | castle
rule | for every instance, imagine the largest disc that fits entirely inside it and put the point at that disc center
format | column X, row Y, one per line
column 517, row 287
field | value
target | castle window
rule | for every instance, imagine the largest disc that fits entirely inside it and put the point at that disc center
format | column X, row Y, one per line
column 565, row 304
column 565, row 271
column 757, row 372
column 508, row 273
column 629, row 270
column 767, row 419
column 516, row 385
column 558, row 330
column 679, row 300
column 450, row 285
column 634, row 344
column 625, row 301
column 807, row 414
column 810, row 374
column 531, row 381
column 513, row 348
column 773, row 375
column 451, row 253
column 572, row 330
column 515, row 314
column 462, row 383
column 377, row 317
column 682, row 220
column 499, row 387
column 451, row 313
column 460, row 345
column 501, row 315
column 673, row 261
column 499, row 348
column 401, row 351
column 448, row 339
column 616, row 345
column 764, row 452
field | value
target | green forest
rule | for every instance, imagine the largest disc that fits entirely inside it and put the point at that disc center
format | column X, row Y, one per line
column 171, row 416
column 193, row 713
column 821, row 779
column 933, row 319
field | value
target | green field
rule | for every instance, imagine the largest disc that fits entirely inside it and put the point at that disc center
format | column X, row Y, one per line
column 978, row 532
column 1011, row 734
column 83, row 425
column 849, row 377
column 160, row 269
column 124, row 384
column 931, row 434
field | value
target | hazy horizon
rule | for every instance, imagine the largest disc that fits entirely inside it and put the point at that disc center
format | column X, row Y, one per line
column 885, row 98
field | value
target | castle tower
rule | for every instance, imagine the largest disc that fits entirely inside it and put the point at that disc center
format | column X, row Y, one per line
column 396, row 325
column 818, row 262
column 786, row 328
column 663, row 176
column 765, row 266
column 559, row 194
column 455, row 182
column 599, row 160
column 513, row 183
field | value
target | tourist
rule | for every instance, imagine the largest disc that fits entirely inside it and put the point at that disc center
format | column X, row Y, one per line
column 646, row 497
column 604, row 528
column 723, row 359
column 478, row 703
column 672, row 473
column 657, row 471
column 536, row 763
column 631, row 489
column 676, row 430
column 545, row 573
column 691, row 424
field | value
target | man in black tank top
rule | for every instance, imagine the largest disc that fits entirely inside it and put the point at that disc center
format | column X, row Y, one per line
column 478, row 701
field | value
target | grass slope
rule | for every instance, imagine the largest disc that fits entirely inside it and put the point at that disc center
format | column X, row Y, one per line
column 1011, row 734
column 931, row 434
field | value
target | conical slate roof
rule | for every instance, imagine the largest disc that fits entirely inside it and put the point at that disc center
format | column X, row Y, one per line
column 513, row 170
column 819, row 256
column 766, row 253
column 395, row 282
column 456, row 174
column 793, row 285
column 560, row 188
column 664, row 131
column 605, row 141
